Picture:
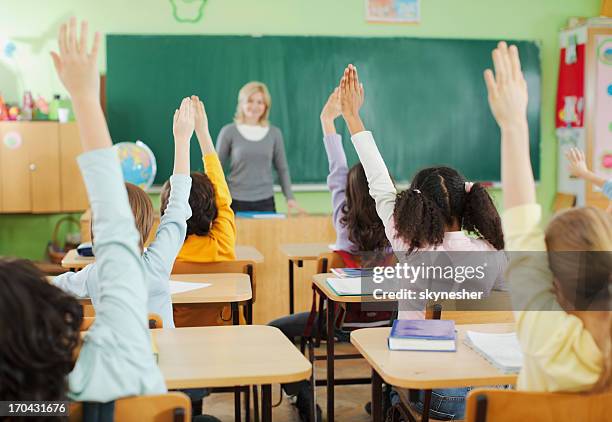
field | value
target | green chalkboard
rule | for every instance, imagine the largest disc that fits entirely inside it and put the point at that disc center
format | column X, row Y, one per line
column 425, row 98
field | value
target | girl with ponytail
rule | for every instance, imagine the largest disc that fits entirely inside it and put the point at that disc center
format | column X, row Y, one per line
column 433, row 214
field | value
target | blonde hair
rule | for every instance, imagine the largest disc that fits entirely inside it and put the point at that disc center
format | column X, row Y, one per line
column 142, row 208
column 243, row 96
column 570, row 237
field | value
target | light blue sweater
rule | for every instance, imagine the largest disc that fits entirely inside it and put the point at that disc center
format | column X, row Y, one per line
column 116, row 359
column 157, row 260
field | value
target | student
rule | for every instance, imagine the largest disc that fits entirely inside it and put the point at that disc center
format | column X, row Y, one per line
column 565, row 348
column 158, row 258
column 358, row 229
column 431, row 215
column 578, row 168
column 42, row 323
column 211, row 230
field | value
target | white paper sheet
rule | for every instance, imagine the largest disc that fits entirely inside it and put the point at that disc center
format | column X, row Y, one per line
column 185, row 286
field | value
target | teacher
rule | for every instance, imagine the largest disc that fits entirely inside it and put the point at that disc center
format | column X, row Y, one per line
column 252, row 145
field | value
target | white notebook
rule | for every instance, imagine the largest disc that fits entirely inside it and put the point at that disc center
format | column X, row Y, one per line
column 346, row 286
column 501, row 349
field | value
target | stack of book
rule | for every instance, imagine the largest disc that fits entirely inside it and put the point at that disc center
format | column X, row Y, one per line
column 432, row 335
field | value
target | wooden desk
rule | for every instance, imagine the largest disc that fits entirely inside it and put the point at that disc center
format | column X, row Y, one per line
column 266, row 236
column 74, row 262
column 297, row 254
column 427, row 370
column 230, row 356
column 326, row 293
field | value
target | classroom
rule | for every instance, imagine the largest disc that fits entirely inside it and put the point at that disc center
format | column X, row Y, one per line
column 289, row 210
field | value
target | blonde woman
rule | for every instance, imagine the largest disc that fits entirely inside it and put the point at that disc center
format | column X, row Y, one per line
column 252, row 145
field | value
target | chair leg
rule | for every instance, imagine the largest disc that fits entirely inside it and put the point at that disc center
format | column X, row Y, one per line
column 256, row 403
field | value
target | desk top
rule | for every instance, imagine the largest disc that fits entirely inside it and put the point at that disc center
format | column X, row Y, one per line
column 243, row 253
column 320, row 280
column 224, row 288
column 228, row 356
column 304, row 251
column 426, row 370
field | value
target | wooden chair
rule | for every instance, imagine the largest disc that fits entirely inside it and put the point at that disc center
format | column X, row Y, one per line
column 169, row 407
column 489, row 405
column 240, row 267
column 155, row 321
column 495, row 308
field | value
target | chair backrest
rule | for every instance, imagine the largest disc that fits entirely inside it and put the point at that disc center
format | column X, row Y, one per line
column 169, row 407
column 495, row 308
column 242, row 267
column 511, row 406
column 155, row 321
column 329, row 260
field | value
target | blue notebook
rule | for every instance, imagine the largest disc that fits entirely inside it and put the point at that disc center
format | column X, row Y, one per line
column 263, row 215
column 432, row 335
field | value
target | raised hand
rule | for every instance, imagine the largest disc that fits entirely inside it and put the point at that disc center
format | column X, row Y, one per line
column 577, row 162
column 507, row 88
column 183, row 125
column 351, row 99
column 508, row 102
column 332, row 108
column 77, row 67
column 200, row 117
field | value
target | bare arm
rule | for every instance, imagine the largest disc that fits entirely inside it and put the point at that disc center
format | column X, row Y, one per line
column 508, row 101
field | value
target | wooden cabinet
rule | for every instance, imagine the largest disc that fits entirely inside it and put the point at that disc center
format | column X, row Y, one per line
column 38, row 170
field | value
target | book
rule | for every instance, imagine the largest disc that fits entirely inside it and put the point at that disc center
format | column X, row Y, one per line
column 346, row 286
column 261, row 215
column 185, row 286
column 432, row 335
column 502, row 350
column 352, row 272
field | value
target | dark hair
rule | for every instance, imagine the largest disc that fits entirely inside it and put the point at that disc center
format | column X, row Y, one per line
column 39, row 331
column 202, row 203
column 436, row 199
column 365, row 229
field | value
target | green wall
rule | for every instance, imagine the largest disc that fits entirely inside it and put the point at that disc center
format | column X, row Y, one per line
column 33, row 24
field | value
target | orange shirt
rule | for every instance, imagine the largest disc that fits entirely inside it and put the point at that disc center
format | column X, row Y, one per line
column 219, row 244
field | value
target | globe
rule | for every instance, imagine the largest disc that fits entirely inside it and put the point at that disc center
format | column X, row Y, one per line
column 137, row 163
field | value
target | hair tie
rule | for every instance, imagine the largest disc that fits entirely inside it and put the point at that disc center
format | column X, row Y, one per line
column 468, row 186
column 416, row 190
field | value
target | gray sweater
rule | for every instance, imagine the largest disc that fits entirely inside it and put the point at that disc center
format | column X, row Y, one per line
column 250, row 177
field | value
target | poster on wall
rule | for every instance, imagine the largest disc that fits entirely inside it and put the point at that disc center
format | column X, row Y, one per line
column 393, row 11
column 602, row 141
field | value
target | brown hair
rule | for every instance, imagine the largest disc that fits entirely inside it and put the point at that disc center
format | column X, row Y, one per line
column 39, row 332
column 571, row 237
column 365, row 229
column 142, row 208
column 201, row 200
column 438, row 198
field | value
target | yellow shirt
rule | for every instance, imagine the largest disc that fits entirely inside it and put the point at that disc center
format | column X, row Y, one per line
column 559, row 353
column 220, row 242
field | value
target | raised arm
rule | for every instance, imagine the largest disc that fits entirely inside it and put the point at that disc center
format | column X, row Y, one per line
column 223, row 230
column 508, row 101
column 380, row 183
column 578, row 168
column 106, row 369
column 338, row 168
column 160, row 255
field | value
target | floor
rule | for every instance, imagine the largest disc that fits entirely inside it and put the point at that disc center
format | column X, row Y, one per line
column 350, row 399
